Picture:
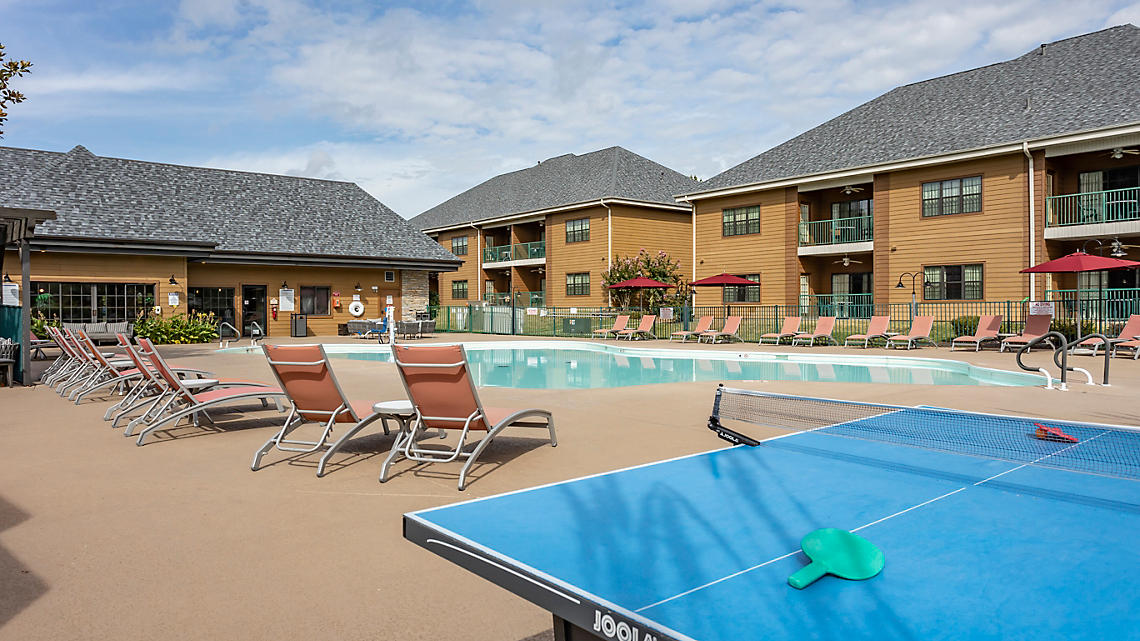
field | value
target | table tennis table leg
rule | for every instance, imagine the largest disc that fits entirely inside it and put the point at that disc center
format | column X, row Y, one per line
column 566, row 631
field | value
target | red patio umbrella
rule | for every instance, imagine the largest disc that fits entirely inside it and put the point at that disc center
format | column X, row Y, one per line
column 641, row 282
column 721, row 280
column 1076, row 262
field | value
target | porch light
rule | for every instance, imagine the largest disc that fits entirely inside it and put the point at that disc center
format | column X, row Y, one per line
column 7, row 278
column 172, row 281
column 284, row 285
column 357, row 287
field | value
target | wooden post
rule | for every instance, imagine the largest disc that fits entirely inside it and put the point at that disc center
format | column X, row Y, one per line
column 25, row 312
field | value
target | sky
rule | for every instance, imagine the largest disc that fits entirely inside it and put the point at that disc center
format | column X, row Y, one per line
column 417, row 102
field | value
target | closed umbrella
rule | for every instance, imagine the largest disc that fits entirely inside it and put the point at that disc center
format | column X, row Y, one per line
column 1077, row 262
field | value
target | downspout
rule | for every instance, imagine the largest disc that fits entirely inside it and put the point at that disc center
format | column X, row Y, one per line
column 478, row 263
column 1032, row 224
column 609, row 246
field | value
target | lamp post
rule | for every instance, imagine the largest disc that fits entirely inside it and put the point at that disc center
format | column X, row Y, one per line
column 913, row 294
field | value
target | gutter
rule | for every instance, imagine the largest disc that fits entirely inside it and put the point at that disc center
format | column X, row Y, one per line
column 609, row 246
column 538, row 213
column 478, row 263
column 1032, row 224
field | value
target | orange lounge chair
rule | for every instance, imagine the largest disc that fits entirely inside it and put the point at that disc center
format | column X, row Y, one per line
column 789, row 329
column 1036, row 325
column 644, row 328
column 988, row 328
column 877, row 328
column 730, row 330
column 703, row 325
column 306, row 376
column 920, row 329
column 823, row 329
column 620, row 323
column 1127, row 337
column 443, row 394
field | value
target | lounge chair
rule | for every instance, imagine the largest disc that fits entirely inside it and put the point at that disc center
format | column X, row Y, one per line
column 877, row 328
column 988, row 328
column 920, row 328
column 149, row 387
column 1036, row 326
column 88, row 367
column 620, row 323
column 730, row 330
column 644, row 329
column 306, row 376
column 182, row 399
column 443, row 394
column 1128, row 334
column 1133, row 345
column 789, row 329
column 823, row 329
column 703, row 325
column 121, row 373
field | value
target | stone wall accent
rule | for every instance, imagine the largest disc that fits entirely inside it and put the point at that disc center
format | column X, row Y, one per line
column 413, row 293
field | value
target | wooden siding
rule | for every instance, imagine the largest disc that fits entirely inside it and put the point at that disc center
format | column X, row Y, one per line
column 468, row 271
column 568, row 258
column 635, row 228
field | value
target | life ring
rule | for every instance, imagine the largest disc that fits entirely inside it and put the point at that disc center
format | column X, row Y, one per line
column 356, row 308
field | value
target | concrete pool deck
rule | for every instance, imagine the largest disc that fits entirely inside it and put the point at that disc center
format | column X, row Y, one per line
column 178, row 539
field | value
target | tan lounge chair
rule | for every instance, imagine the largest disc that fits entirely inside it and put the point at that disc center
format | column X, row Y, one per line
column 1036, row 325
column 620, row 323
column 644, row 329
column 823, row 329
column 789, row 329
column 920, row 329
column 443, row 394
column 1127, row 337
column 703, row 325
column 877, row 328
column 730, row 330
column 988, row 328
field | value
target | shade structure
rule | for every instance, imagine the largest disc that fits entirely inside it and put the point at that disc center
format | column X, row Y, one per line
column 640, row 282
column 721, row 280
column 1080, row 262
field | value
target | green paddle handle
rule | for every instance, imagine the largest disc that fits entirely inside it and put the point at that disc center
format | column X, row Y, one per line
column 807, row 575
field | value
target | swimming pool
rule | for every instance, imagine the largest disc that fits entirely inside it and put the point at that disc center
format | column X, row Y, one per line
column 567, row 365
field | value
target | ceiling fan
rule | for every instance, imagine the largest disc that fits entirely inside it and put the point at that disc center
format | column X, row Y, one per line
column 1118, row 248
column 847, row 260
column 851, row 189
column 1118, row 152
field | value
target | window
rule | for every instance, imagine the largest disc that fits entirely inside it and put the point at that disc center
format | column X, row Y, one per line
column 459, row 245
column 740, row 221
column 315, row 301
column 852, row 208
column 953, row 282
column 389, row 276
column 218, row 301
column 578, row 231
column 743, row 293
column 578, row 284
column 91, row 302
column 957, row 196
column 459, row 289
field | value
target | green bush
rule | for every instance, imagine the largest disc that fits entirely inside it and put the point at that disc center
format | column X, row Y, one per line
column 1069, row 328
column 964, row 326
column 178, row 329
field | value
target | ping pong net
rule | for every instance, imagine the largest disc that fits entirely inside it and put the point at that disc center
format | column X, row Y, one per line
column 1109, row 450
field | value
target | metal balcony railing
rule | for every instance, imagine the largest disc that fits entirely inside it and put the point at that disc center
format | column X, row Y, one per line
column 1111, row 206
column 1117, row 303
column 840, row 305
column 519, row 251
column 522, row 299
column 856, row 229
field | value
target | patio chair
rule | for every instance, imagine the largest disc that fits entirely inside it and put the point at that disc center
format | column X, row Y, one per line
column 620, row 324
column 789, row 329
column 87, row 367
column 988, row 328
column 150, row 388
column 305, row 374
column 644, row 329
column 183, row 400
column 704, row 323
column 730, row 330
column 1036, row 325
column 8, row 352
column 1133, row 345
column 126, row 374
column 877, row 328
column 443, row 394
column 824, row 326
column 920, row 328
column 1128, row 334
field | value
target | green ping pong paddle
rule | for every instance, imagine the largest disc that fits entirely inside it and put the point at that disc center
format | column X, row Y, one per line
column 838, row 552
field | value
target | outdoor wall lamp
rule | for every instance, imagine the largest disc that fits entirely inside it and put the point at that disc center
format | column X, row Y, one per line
column 172, row 281
column 357, row 287
column 284, row 285
column 1086, row 244
column 7, row 278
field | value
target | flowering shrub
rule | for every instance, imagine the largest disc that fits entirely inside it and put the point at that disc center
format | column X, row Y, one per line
column 178, row 329
column 657, row 266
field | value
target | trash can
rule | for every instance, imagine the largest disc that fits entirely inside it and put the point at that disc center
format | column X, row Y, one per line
column 298, row 325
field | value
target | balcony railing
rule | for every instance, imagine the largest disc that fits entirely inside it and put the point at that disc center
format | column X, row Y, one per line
column 520, row 251
column 856, row 229
column 1108, row 304
column 840, row 305
column 522, row 299
column 1111, row 206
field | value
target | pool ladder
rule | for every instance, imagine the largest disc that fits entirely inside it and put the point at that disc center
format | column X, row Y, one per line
column 1061, row 348
column 256, row 334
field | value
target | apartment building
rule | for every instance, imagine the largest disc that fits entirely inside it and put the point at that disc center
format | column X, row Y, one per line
column 953, row 184
column 543, row 236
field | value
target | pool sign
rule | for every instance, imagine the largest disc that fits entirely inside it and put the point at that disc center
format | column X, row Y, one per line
column 1041, row 308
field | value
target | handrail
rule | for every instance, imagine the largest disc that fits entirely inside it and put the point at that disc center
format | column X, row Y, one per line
column 222, row 342
column 253, row 337
column 1107, row 355
column 1064, row 365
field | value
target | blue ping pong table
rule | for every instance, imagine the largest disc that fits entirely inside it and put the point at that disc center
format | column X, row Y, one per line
column 700, row 547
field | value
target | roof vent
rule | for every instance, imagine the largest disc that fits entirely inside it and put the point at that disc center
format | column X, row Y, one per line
column 1041, row 51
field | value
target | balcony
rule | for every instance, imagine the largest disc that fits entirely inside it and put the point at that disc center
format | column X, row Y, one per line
column 836, row 236
column 838, row 305
column 522, row 299
column 520, row 254
column 1091, row 214
column 1110, row 303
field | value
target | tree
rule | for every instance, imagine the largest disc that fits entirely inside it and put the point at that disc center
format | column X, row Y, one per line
column 8, row 70
column 657, row 266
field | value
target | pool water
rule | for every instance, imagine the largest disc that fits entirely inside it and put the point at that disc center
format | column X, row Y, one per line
column 559, row 365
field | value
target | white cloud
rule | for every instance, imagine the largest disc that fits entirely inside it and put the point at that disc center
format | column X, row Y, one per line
column 47, row 81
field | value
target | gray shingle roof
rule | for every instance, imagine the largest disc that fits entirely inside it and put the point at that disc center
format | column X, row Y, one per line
column 111, row 198
column 1081, row 83
column 563, row 180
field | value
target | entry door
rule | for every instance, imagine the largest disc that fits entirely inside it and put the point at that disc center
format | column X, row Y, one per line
column 253, row 310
